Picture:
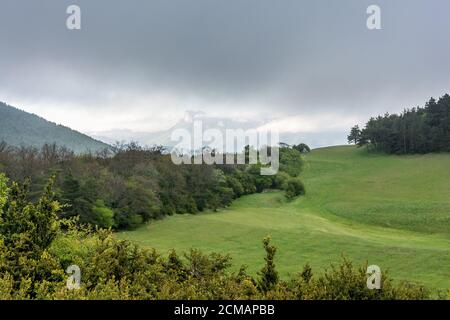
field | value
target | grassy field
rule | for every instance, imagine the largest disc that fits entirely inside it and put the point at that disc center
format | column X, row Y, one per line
column 392, row 211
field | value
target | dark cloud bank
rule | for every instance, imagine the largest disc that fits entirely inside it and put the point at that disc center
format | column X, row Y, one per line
column 254, row 58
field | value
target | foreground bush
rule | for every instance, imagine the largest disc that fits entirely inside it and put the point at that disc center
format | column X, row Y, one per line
column 36, row 248
column 294, row 187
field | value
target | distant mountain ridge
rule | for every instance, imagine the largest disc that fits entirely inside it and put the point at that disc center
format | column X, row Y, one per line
column 163, row 137
column 20, row 128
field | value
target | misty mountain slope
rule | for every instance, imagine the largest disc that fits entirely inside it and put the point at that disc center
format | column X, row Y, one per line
column 19, row 128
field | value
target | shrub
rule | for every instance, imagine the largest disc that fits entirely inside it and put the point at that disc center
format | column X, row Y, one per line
column 235, row 185
column 102, row 215
column 268, row 274
column 280, row 180
column 294, row 188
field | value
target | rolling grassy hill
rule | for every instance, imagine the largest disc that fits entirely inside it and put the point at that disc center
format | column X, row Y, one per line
column 392, row 211
column 20, row 128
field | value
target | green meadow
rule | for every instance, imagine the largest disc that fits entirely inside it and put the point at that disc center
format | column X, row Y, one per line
column 392, row 211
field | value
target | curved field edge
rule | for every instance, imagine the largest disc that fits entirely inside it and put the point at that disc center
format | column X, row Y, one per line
column 342, row 213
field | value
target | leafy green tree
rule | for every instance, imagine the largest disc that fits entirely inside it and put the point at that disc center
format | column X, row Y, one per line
column 302, row 148
column 261, row 182
column 235, row 185
column 268, row 276
column 102, row 215
column 77, row 202
column 294, row 188
column 26, row 232
column 291, row 161
column 355, row 135
column 247, row 181
column 280, row 180
column 4, row 191
column 30, row 227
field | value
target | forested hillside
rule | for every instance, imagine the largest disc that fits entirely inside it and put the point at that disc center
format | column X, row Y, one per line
column 416, row 130
column 19, row 128
column 138, row 184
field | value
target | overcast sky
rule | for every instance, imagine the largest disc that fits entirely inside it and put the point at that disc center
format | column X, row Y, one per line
column 140, row 65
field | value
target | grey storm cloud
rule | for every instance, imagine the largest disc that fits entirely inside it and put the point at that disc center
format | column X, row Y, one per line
column 289, row 56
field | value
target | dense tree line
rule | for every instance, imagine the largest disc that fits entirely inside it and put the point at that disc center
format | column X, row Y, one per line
column 136, row 184
column 416, row 130
column 37, row 247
